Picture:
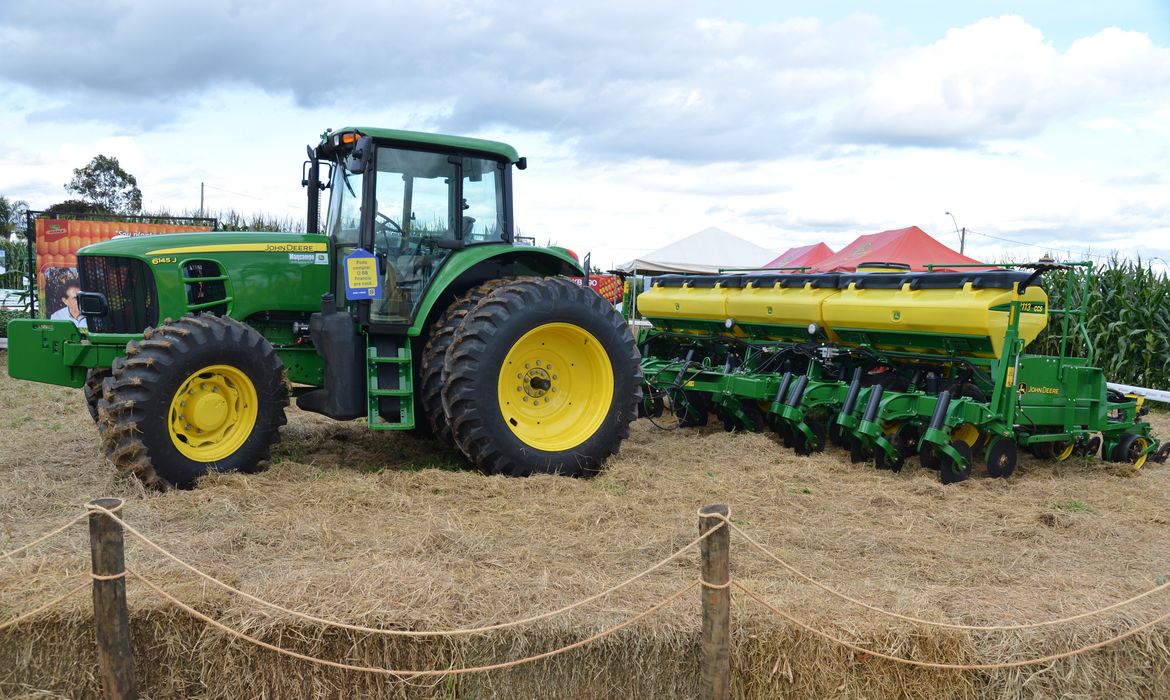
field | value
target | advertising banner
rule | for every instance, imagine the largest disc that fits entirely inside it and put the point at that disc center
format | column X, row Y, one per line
column 608, row 286
column 57, row 243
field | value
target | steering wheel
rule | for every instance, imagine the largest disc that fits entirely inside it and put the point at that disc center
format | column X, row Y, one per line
column 386, row 224
column 428, row 241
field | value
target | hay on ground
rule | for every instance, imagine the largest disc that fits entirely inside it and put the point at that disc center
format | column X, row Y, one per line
column 382, row 530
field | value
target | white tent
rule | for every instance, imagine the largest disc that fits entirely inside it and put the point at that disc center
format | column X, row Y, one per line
column 705, row 251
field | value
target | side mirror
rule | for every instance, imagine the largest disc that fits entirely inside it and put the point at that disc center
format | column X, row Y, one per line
column 361, row 156
column 92, row 304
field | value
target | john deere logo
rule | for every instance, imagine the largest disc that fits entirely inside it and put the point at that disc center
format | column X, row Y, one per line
column 1043, row 390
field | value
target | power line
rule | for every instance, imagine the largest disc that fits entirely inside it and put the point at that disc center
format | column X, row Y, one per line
column 258, row 199
column 1070, row 251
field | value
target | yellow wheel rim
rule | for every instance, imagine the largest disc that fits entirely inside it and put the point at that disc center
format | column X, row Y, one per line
column 1141, row 443
column 966, row 433
column 1066, row 452
column 213, row 413
column 555, row 387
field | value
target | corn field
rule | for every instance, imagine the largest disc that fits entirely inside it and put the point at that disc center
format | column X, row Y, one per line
column 1127, row 320
column 15, row 264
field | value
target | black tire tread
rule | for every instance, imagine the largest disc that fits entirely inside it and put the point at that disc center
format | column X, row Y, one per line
column 150, row 366
column 435, row 354
column 472, row 432
column 93, row 389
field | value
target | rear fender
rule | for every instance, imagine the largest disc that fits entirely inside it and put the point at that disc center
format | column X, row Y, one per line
column 476, row 264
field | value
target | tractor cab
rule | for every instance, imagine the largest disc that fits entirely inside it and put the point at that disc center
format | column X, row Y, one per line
column 410, row 200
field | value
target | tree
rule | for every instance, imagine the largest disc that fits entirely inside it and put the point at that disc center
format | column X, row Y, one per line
column 75, row 207
column 12, row 217
column 105, row 184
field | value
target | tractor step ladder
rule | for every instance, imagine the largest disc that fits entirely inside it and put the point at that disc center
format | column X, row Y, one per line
column 384, row 366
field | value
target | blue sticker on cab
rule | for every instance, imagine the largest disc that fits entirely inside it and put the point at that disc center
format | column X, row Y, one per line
column 362, row 280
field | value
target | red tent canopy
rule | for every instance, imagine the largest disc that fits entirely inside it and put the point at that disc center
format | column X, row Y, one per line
column 802, row 256
column 911, row 246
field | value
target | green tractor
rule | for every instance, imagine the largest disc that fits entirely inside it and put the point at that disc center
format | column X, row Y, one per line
column 417, row 308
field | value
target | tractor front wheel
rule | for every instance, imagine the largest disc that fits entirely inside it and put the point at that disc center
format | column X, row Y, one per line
column 541, row 376
column 201, row 394
column 93, row 390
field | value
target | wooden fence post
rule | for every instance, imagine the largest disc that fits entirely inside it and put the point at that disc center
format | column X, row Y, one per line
column 716, row 645
column 110, row 616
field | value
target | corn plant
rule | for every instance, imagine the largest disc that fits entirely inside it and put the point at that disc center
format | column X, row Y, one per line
column 1127, row 320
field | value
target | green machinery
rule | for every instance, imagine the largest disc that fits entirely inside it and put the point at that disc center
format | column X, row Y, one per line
column 888, row 364
column 415, row 309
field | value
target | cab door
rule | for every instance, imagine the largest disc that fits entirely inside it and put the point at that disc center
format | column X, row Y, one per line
column 412, row 233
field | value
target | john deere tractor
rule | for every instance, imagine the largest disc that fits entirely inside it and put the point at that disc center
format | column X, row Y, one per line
column 416, row 309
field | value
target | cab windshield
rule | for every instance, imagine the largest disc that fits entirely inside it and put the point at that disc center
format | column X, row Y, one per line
column 415, row 197
column 425, row 205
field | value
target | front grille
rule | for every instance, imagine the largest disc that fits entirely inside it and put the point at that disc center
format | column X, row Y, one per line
column 128, row 286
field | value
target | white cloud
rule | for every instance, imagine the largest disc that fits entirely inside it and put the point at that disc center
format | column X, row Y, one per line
column 643, row 122
column 999, row 78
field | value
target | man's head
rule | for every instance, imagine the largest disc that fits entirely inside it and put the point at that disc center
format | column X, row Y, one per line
column 69, row 298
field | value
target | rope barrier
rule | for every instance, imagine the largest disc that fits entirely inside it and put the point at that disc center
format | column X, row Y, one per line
column 409, row 673
column 56, row 601
column 715, row 586
column 403, row 633
column 932, row 623
column 724, row 521
column 945, row 666
column 41, row 539
column 95, row 508
column 111, row 577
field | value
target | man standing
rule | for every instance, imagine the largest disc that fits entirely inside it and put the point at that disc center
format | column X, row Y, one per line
column 70, row 312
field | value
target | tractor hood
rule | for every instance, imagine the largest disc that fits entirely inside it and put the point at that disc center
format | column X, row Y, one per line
column 147, row 246
column 145, row 279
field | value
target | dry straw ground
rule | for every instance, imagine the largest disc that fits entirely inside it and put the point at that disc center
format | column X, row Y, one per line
column 381, row 530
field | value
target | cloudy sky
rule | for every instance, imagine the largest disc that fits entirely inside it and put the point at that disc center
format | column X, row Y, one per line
column 1042, row 125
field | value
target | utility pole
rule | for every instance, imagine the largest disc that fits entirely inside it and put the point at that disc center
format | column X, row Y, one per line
column 200, row 200
column 962, row 233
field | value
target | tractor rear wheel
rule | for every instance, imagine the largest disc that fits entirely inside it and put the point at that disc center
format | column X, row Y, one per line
column 542, row 376
column 435, row 353
column 201, row 394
